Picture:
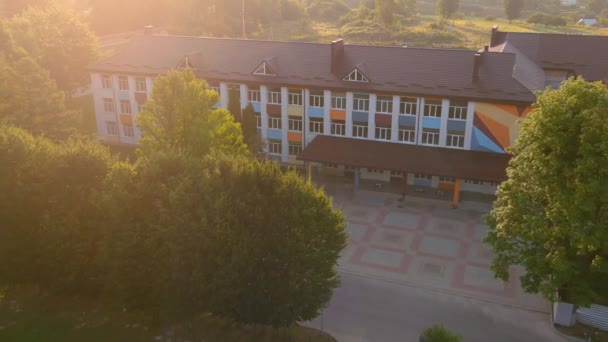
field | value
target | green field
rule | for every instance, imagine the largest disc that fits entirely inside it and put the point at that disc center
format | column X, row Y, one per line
column 471, row 33
column 33, row 315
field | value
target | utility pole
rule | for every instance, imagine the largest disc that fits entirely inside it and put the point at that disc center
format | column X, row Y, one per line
column 243, row 30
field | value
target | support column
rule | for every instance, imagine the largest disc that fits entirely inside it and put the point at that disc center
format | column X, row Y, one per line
column 357, row 176
column 327, row 112
column 395, row 119
column 371, row 118
column 264, row 115
column 403, row 184
column 419, row 122
column 349, row 114
column 468, row 130
column 244, row 96
column 284, row 124
column 308, row 172
column 443, row 128
column 224, row 95
column 456, row 198
column 305, row 118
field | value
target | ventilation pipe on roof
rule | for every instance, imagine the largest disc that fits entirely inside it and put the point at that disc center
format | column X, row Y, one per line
column 337, row 52
column 494, row 36
column 476, row 63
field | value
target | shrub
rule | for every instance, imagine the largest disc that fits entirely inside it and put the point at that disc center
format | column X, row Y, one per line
column 555, row 20
column 536, row 18
column 489, row 18
column 290, row 10
column 438, row 333
column 328, row 9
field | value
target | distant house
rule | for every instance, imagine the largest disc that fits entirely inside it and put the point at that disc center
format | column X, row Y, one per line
column 587, row 21
column 568, row 2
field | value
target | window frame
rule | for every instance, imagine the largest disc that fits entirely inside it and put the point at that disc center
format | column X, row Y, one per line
column 109, row 102
column 112, row 128
column 106, row 81
column 123, row 83
column 125, row 104
column 315, row 125
column 138, row 82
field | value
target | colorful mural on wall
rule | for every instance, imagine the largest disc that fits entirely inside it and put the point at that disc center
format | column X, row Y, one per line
column 495, row 126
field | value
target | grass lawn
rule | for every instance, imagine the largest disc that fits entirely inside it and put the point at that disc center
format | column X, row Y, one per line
column 472, row 32
column 31, row 315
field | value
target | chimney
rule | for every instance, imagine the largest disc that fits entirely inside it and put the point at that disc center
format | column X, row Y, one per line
column 337, row 53
column 476, row 64
column 494, row 36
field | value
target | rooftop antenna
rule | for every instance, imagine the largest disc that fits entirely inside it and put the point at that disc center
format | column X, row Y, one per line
column 243, row 29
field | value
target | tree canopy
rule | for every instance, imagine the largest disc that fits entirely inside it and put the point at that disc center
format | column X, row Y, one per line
column 551, row 215
column 513, row 9
column 447, row 8
column 58, row 40
column 179, row 116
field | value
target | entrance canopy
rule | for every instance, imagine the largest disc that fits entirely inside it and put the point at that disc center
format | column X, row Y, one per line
column 436, row 161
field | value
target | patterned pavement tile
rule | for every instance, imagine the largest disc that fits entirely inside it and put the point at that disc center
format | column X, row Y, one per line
column 447, row 227
column 480, row 231
column 438, row 246
column 480, row 253
column 402, row 220
column 358, row 231
column 381, row 259
column 385, row 238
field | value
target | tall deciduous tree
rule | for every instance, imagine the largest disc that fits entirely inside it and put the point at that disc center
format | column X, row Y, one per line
column 58, row 40
column 179, row 116
column 551, row 215
column 250, row 130
column 385, row 10
column 447, row 8
column 513, row 9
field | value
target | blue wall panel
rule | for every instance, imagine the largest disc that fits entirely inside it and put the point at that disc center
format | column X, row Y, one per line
column 274, row 134
column 431, row 123
column 456, row 125
column 257, row 106
column 480, row 142
column 407, row 120
column 422, row 182
column 315, row 112
column 360, row 116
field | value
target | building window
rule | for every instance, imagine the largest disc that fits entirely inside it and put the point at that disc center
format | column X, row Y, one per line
column 432, row 108
column 128, row 130
column 123, row 83
column 338, row 102
column 295, row 124
column 316, row 125
column 274, row 97
column 455, row 140
column 430, row 136
column 473, row 181
column 407, row 135
column 125, row 107
column 360, row 131
column 258, row 120
column 493, row 184
column 317, row 101
column 274, row 122
column 106, row 81
column 356, row 76
column 294, row 98
column 447, row 180
column 108, row 105
column 396, row 173
column 458, row 110
column 295, row 148
column 361, row 104
column 111, row 128
column 140, row 84
column 274, row 147
column 140, row 107
column 330, row 165
column 338, row 127
column 423, row 176
column 264, row 69
column 383, row 133
column 253, row 95
column 408, row 106
column 375, row 171
column 384, row 104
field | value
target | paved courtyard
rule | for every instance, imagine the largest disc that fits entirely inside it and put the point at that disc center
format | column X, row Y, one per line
column 425, row 243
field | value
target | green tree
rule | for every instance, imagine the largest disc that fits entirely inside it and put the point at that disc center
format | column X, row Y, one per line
column 447, row 8
column 385, row 10
column 513, row 9
column 438, row 333
column 179, row 116
column 48, row 205
column 250, row 130
column 328, row 9
column 551, row 215
column 58, row 40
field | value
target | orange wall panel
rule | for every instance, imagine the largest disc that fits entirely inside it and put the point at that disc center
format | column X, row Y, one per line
column 294, row 136
column 446, row 186
column 337, row 114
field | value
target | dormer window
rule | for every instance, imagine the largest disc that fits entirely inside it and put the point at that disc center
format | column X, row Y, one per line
column 264, row 69
column 186, row 64
column 356, row 76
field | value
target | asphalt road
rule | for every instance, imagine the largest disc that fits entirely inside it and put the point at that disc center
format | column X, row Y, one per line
column 366, row 309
